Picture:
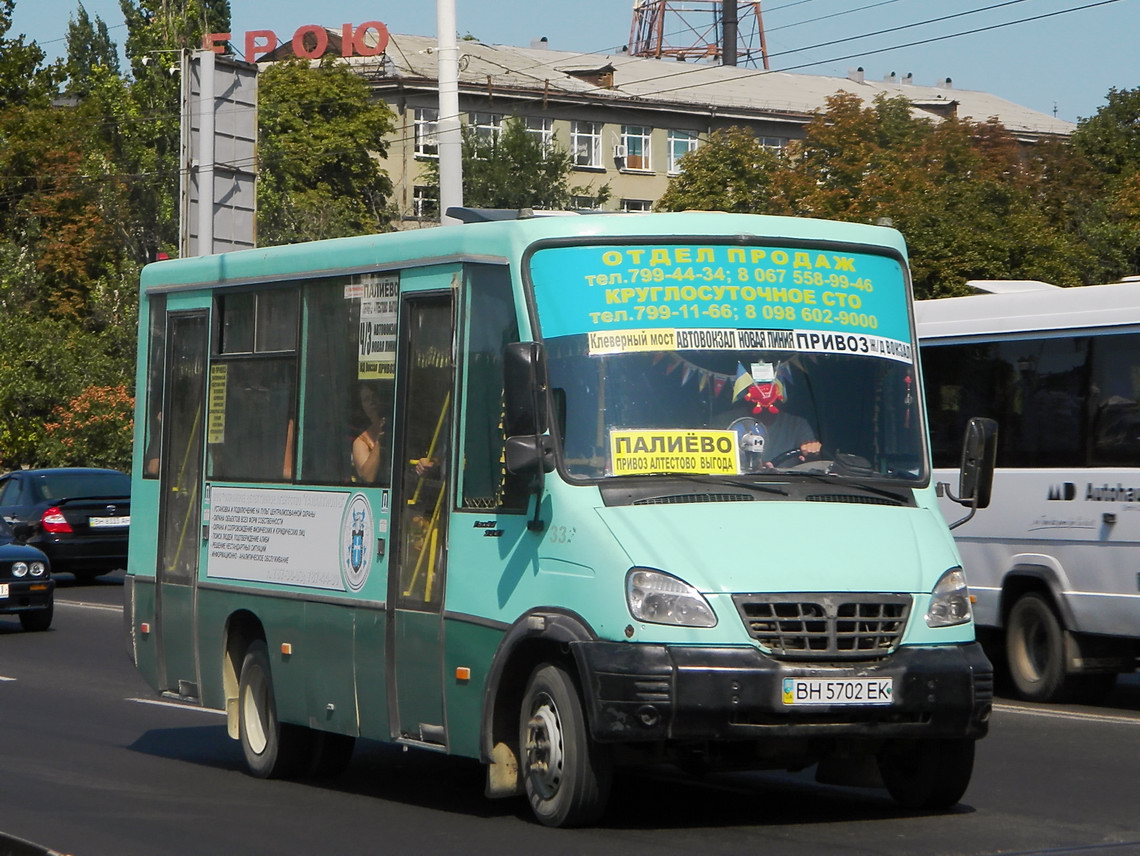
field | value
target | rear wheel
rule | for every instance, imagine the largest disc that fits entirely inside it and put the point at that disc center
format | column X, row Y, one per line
column 273, row 750
column 37, row 621
column 1035, row 651
column 927, row 774
column 566, row 774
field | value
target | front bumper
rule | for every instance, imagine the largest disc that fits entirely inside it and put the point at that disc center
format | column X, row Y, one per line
column 641, row 692
column 27, row 596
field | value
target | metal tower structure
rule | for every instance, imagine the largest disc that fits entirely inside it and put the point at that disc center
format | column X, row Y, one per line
column 722, row 31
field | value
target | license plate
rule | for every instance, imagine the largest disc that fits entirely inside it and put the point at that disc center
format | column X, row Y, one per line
column 832, row 691
column 3, row 589
column 108, row 522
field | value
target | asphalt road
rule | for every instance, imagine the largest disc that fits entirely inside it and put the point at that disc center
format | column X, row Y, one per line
column 94, row 765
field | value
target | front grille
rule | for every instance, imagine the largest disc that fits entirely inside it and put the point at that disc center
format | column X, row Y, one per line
column 825, row 626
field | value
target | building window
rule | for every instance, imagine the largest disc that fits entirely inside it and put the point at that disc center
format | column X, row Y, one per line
column 680, row 144
column 486, row 126
column 630, row 205
column 584, row 203
column 635, row 147
column 586, row 144
column 425, row 202
column 542, row 130
column 426, row 132
column 775, row 144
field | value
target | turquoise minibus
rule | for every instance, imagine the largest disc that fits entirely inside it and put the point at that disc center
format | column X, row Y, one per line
column 559, row 493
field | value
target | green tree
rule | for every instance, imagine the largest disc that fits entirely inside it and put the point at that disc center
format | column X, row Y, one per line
column 732, row 171
column 147, row 120
column 1110, row 142
column 23, row 77
column 961, row 192
column 90, row 49
column 515, row 169
column 321, row 137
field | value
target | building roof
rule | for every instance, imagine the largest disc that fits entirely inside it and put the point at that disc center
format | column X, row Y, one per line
column 669, row 85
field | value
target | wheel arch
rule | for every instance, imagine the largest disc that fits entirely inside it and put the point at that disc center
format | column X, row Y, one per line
column 539, row 636
column 242, row 629
column 1042, row 574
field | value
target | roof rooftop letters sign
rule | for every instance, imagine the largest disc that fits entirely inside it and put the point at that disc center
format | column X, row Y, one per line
column 310, row 41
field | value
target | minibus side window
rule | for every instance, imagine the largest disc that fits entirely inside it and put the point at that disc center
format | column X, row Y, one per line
column 491, row 323
column 251, row 430
column 156, row 367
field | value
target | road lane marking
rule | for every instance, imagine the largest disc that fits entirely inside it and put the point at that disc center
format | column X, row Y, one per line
column 3, row 678
column 105, row 607
column 1075, row 715
column 179, row 705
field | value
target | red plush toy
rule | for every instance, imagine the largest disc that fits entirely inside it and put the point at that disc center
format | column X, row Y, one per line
column 765, row 396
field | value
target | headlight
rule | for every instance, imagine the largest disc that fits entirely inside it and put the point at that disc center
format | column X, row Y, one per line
column 38, row 569
column 19, row 569
column 659, row 598
column 949, row 600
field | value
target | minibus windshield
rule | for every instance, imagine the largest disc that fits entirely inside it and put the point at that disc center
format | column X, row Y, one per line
column 741, row 363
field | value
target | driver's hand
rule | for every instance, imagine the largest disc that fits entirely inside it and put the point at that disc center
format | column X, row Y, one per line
column 811, row 448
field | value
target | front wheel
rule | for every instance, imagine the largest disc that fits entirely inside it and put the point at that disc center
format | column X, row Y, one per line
column 1035, row 651
column 567, row 776
column 927, row 774
column 273, row 750
column 37, row 621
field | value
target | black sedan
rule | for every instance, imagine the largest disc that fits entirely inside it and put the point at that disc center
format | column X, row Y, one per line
column 79, row 516
column 26, row 586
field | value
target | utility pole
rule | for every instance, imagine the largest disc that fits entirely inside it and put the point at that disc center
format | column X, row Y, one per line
column 448, row 128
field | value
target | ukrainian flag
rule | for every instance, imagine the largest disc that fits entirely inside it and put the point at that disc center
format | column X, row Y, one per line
column 742, row 382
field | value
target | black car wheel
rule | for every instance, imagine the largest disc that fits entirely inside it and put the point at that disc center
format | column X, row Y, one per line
column 37, row 621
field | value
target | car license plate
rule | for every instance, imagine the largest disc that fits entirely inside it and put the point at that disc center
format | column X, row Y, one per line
column 832, row 691
column 3, row 589
column 108, row 522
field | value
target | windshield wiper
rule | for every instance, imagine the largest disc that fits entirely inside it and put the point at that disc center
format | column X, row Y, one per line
column 722, row 480
column 837, row 479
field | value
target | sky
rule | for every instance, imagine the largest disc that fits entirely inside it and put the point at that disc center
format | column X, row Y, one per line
column 1060, row 57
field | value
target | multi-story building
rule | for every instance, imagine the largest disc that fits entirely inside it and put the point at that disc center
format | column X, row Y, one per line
column 626, row 121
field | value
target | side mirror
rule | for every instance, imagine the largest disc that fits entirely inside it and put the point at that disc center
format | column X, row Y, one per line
column 524, row 369
column 529, row 449
column 529, row 454
column 979, row 451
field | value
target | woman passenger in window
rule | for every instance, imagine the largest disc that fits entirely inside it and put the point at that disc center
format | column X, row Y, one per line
column 367, row 447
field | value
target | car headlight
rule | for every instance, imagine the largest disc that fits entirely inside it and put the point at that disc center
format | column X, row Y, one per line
column 949, row 600
column 19, row 569
column 658, row 598
column 38, row 569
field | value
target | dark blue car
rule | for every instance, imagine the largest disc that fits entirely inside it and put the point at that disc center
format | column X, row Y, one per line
column 79, row 516
column 26, row 586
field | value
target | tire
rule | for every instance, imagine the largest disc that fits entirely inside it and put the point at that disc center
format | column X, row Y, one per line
column 38, row 621
column 566, row 775
column 330, row 754
column 1035, row 651
column 927, row 774
column 273, row 750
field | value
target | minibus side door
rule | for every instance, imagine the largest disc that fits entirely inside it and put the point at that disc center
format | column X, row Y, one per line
column 421, row 508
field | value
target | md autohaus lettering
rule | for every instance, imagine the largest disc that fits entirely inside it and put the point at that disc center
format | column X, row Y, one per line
column 1111, row 493
column 1067, row 492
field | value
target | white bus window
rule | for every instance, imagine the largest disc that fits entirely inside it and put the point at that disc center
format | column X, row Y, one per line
column 1115, row 404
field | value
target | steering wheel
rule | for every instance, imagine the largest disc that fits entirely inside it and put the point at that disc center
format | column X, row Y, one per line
column 785, row 458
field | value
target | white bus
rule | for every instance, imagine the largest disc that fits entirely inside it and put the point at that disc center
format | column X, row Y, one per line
column 1054, row 562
